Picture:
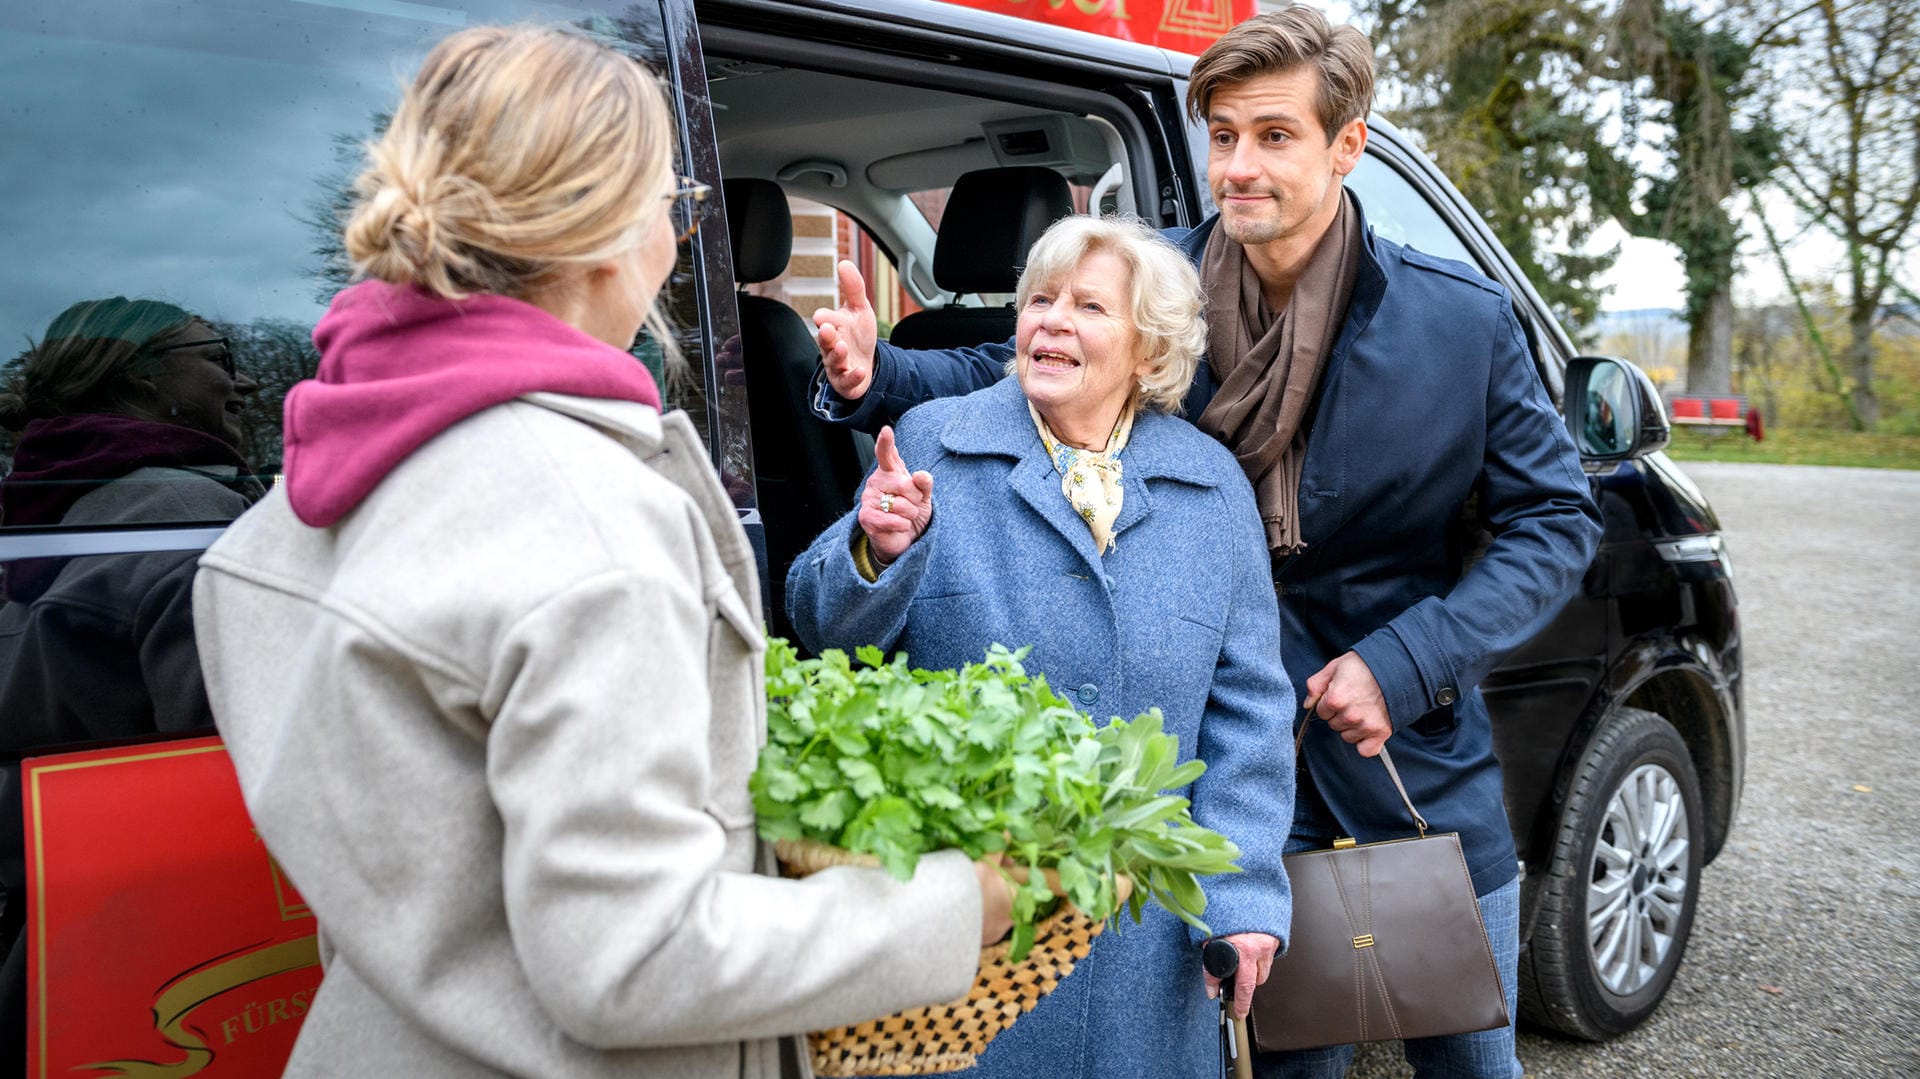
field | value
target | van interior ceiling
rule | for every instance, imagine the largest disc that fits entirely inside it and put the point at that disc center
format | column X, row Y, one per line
column 866, row 147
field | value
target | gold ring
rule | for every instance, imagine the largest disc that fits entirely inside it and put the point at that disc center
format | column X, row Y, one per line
column 886, row 503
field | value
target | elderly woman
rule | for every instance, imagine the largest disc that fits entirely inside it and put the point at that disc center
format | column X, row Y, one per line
column 1066, row 510
column 489, row 661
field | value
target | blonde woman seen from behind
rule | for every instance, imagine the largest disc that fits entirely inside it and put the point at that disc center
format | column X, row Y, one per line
column 488, row 662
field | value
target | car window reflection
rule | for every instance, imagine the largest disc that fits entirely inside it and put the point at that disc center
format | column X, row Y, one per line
column 1398, row 211
column 1604, row 427
column 125, row 411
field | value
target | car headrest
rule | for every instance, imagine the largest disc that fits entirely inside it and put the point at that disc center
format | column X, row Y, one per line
column 760, row 228
column 992, row 217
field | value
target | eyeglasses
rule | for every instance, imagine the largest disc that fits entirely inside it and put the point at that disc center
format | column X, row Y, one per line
column 224, row 357
column 689, row 205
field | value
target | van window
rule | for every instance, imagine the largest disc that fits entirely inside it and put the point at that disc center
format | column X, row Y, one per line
column 194, row 158
column 1398, row 211
column 171, row 201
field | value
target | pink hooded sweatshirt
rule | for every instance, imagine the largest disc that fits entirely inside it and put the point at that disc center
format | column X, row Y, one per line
column 399, row 365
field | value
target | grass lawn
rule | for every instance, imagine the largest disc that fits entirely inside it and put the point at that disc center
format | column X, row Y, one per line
column 1798, row 447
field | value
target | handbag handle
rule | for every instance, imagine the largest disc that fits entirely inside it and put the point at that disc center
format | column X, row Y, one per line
column 1308, row 715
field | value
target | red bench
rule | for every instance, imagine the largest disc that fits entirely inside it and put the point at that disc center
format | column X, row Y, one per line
column 1712, row 410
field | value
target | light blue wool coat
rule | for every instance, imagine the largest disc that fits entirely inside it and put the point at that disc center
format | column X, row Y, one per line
column 1180, row 614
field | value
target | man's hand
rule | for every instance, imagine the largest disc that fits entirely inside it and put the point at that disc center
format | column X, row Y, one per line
column 846, row 336
column 1350, row 701
column 1256, row 961
column 896, row 505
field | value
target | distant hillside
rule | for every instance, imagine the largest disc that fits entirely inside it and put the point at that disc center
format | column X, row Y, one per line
column 1644, row 320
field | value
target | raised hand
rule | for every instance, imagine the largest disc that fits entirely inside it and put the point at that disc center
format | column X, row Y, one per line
column 896, row 506
column 846, row 336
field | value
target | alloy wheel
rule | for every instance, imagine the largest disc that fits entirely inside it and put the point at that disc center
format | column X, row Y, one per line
column 1638, row 887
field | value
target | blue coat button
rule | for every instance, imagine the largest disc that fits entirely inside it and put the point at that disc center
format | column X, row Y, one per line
column 1446, row 695
column 1089, row 693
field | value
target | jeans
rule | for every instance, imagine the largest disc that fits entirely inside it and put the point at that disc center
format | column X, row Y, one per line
column 1486, row 1054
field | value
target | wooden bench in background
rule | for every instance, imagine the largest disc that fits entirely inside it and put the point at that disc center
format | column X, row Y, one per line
column 1711, row 410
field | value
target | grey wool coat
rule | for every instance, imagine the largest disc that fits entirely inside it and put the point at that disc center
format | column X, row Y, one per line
column 497, row 725
column 1180, row 614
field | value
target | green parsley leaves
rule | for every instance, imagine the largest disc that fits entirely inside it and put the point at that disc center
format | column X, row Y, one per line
column 894, row 762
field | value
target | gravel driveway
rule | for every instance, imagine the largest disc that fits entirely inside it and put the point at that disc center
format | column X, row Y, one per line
column 1805, row 958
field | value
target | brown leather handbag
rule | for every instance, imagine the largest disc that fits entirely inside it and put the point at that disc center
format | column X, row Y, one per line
column 1387, row 943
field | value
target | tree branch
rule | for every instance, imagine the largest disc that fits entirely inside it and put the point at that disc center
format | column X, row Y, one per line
column 1816, row 202
column 1807, row 320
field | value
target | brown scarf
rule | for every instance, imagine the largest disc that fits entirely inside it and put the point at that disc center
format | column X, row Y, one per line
column 1269, row 366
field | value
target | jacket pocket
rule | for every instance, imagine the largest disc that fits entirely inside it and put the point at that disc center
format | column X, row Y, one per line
column 738, row 722
column 1191, row 654
column 943, row 619
column 1439, row 723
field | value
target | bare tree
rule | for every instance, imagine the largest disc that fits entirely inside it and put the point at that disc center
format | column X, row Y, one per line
column 275, row 353
column 1696, row 76
column 1850, row 104
column 1501, row 94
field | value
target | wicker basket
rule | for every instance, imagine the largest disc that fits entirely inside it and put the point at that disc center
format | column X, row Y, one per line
column 947, row 1037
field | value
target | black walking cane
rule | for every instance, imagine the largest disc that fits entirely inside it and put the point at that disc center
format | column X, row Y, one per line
column 1222, row 960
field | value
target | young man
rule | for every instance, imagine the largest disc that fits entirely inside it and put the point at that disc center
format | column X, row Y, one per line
column 1369, row 391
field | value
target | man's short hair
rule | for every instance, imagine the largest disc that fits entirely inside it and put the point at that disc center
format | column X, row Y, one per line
column 1283, row 41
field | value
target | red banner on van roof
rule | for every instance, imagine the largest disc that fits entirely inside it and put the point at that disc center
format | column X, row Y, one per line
column 1182, row 25
column 165, row 941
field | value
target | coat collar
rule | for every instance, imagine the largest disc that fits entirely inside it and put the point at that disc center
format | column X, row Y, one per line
column 1373, row 275
column 673, row 450
column 1369, row 289
column 639, row 429
column 994, row 422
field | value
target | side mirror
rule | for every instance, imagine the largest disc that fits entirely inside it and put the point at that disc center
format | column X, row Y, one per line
column 1613, row 410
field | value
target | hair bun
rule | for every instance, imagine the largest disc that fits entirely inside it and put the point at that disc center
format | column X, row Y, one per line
column 393, row 234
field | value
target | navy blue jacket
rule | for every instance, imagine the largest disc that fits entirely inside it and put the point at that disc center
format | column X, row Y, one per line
column 1429, row 397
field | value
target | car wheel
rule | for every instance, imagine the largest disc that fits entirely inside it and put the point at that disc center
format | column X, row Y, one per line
column 1617, row 905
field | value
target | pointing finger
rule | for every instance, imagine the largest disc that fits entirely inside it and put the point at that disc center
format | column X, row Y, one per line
column 853, row 288
column 885, row 455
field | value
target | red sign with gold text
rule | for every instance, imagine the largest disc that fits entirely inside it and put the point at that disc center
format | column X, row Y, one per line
column 1182, row 25
column 163, row 940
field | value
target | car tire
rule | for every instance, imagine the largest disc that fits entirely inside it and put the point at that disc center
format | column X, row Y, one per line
column 1618, row 902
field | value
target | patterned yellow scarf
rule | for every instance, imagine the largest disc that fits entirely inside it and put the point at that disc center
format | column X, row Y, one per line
column 1091, row 481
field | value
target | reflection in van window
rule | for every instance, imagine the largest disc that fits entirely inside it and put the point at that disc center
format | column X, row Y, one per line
column 200, row 153
column 122, row 413
column 1398, row 211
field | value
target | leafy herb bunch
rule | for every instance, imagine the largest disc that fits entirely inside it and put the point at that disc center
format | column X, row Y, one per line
column 894, row 762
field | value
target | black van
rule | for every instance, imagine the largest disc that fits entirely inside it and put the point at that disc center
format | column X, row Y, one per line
column 199, row 151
